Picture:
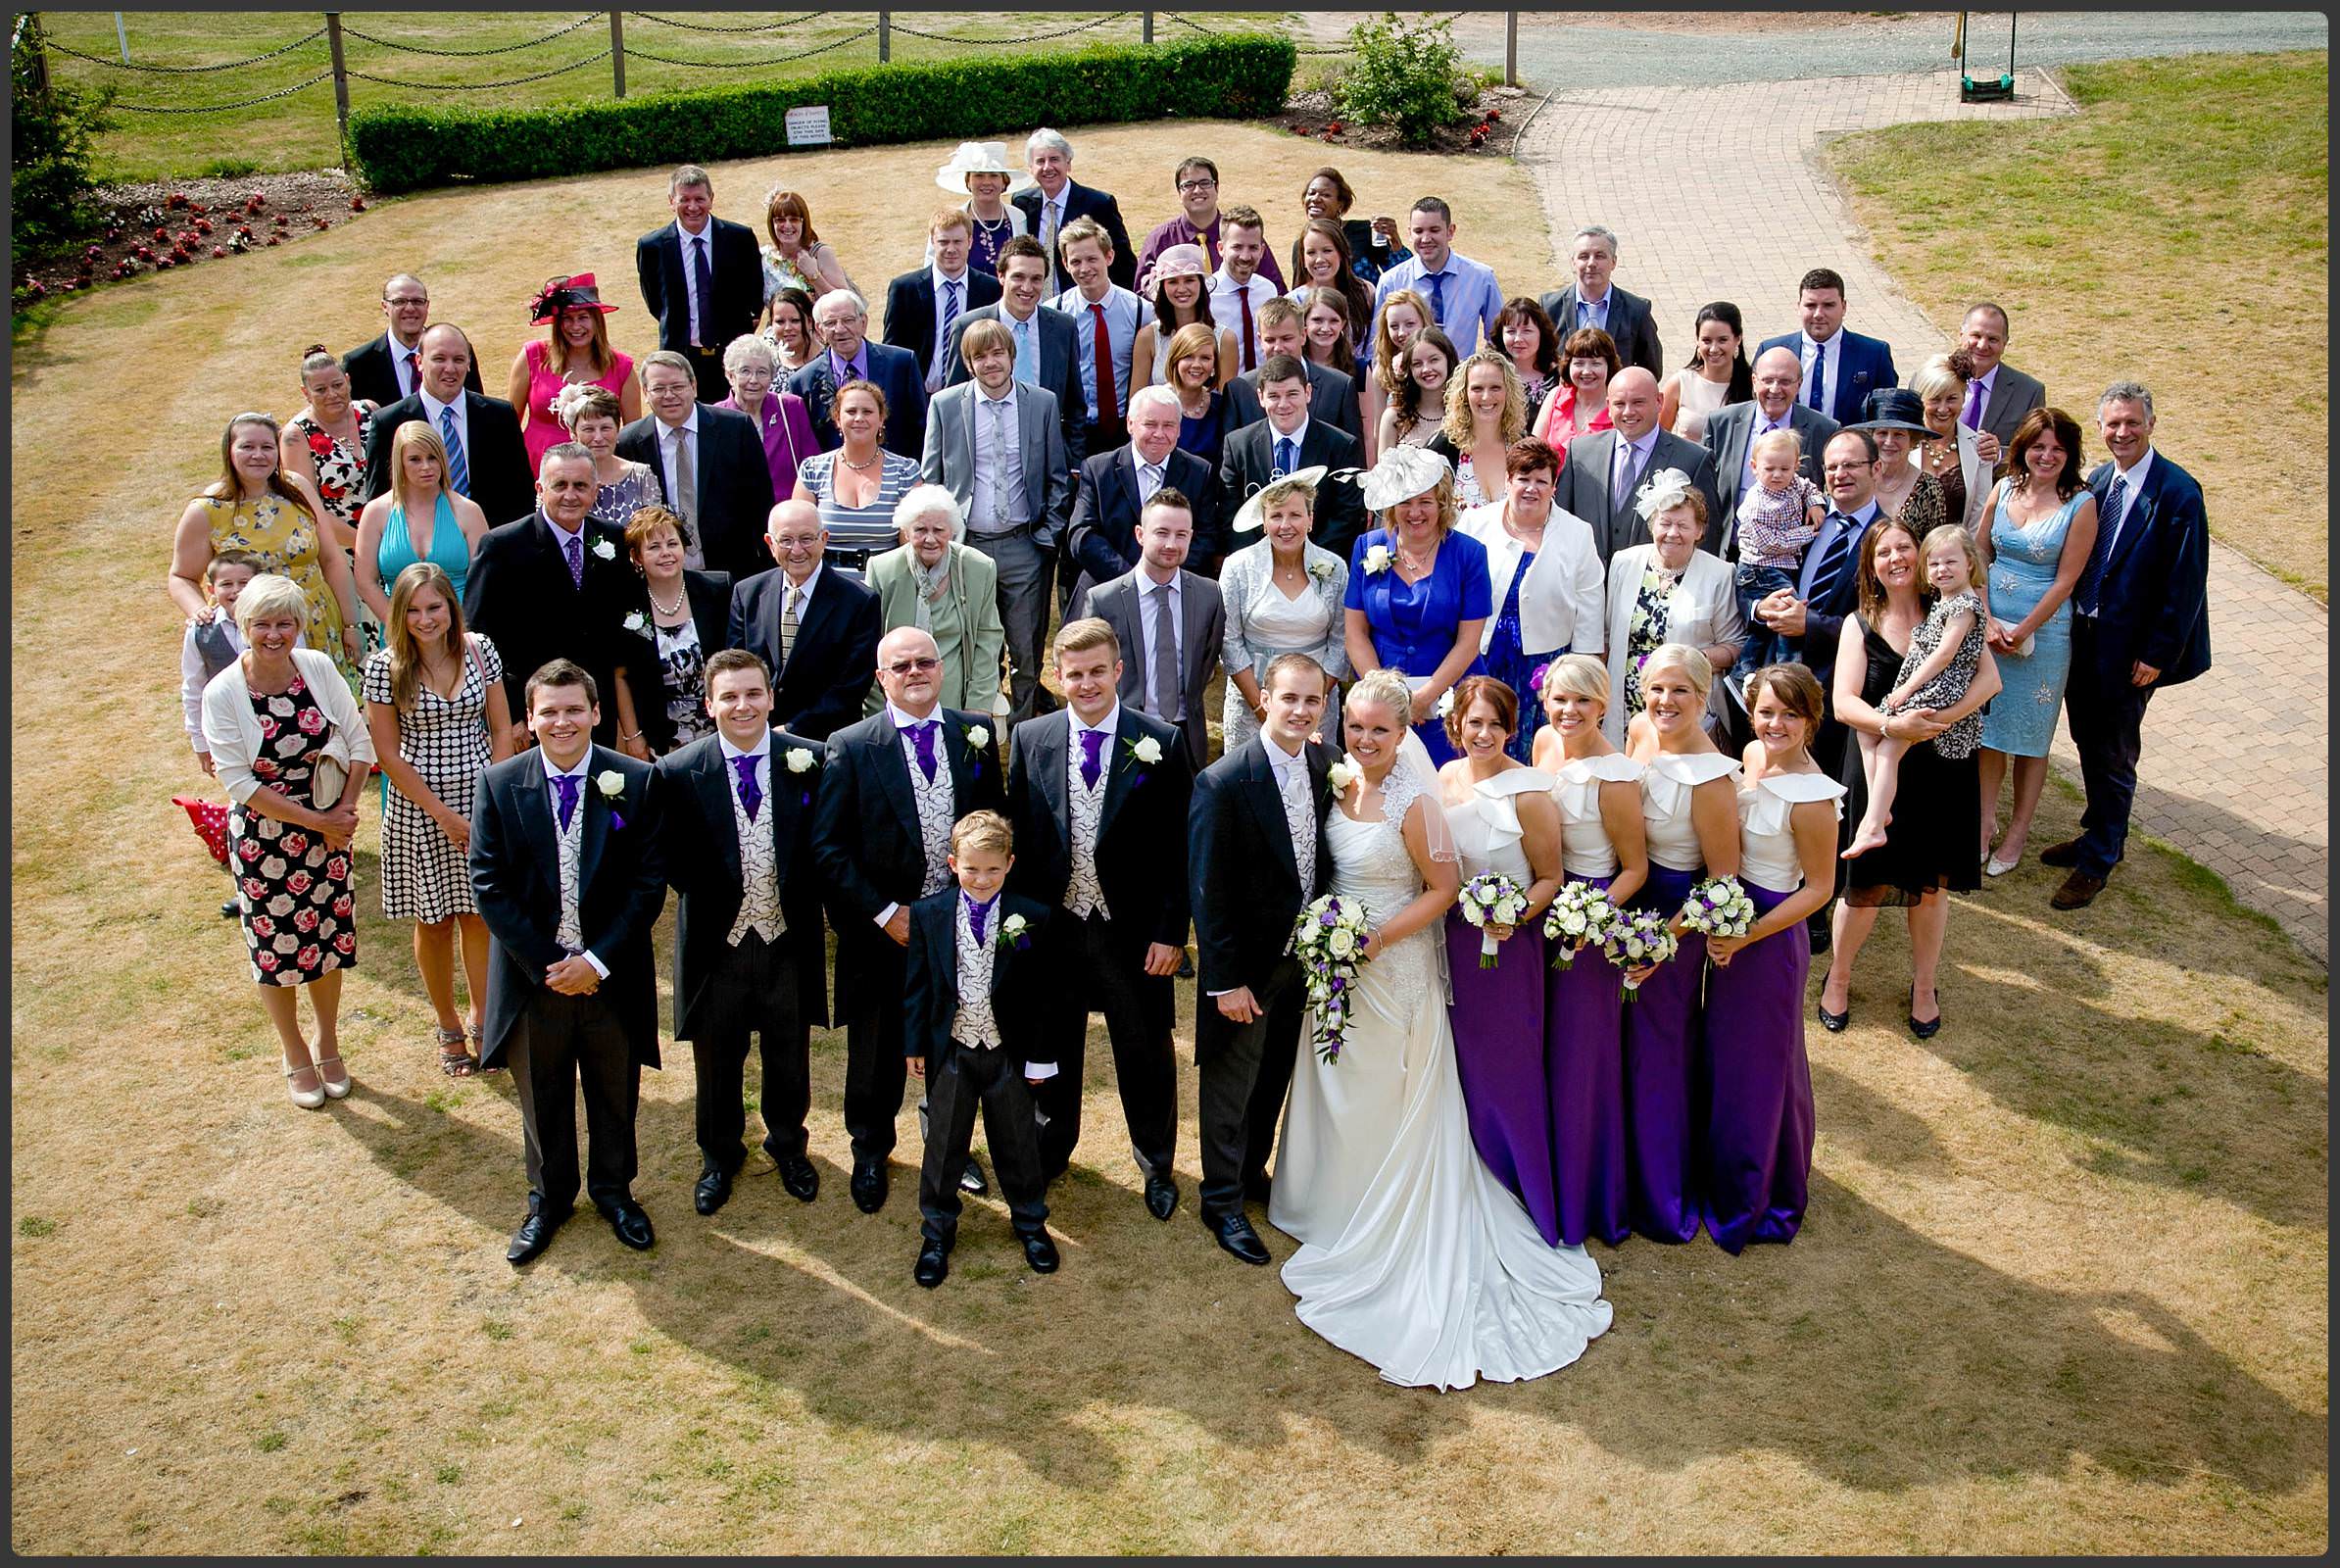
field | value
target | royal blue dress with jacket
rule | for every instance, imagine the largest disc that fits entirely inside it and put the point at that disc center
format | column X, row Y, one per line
column 1414, row 624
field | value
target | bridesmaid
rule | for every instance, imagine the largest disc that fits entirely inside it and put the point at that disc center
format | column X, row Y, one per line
column 1757, row 1082
column 1689, row 808
column 1504, row 819
column 1601, row 841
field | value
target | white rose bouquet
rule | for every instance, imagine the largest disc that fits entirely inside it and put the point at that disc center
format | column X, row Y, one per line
column 1719, row 907
column 1491, row 898
column 1580, row 917
column 1635, row 938
column 1329, row 940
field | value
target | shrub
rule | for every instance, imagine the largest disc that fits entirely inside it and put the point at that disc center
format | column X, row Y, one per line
column 1239, row 75
column 1407, row 75
column 54, row 125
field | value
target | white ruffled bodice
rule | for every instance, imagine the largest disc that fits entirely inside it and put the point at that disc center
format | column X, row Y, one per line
column 1665, row 787
column 1584, row 847
column 1486, row 827
column 1767, row 855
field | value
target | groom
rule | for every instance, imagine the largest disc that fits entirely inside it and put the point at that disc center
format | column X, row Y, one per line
column 1256, row 854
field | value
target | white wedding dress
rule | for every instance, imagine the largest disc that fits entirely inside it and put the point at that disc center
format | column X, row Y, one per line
column 1414, row 1257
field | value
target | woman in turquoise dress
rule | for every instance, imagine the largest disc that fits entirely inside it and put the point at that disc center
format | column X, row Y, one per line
column 418, row 518
column 2042, row 525
column 1419, row 593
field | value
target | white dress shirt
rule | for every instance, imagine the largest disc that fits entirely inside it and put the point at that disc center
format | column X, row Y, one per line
column 570, row 934
column 2110, row 526
column 707, row 237
column 996, row 498
column 1125, row 313
column 1831, row 352
column 937, row 359
column 432, row 408
column 1228, row 314
column 408, row 377
column 1299, row 439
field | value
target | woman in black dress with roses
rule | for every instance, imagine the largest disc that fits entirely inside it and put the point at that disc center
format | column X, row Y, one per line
column 272, row 718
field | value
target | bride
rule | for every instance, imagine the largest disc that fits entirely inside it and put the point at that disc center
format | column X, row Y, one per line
column 1414, row 1257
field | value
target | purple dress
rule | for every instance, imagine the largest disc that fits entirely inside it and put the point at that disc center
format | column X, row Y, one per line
column 1758, row 1083
column 1413, row 624
column 1583, row 1029
column 787, row 431
column 1662, row 1025
column 1498, row 1014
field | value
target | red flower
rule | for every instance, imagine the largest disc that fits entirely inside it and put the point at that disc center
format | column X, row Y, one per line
column 309, row 957
column 218, row 251
column 264, row 767
column 1334, row 127
column 255, row 888
column 1494, row 114
column 343, row 904
column 249, row 849
column 263, row 926
column 299, row 883
column 294, row 844
column 346, row 942
column 337, row 867
column 321, row 444
column 305, row 920
column 313, row 721
column 265, row 961
column 357, row 204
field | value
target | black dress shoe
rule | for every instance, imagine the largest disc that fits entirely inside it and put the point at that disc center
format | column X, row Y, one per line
column 533, row 1237
column 1932, row 1026
column 797, row 1178
column 934, row 1264
column 1834, row 1022
column 869, row 1185
column 713, row 1192
column 1161, row 1197
column 971, row 1179
column 1040, row 1251
column 229, row 909
column 630, row 1223
column 2064, row 856
column 1234, row 1232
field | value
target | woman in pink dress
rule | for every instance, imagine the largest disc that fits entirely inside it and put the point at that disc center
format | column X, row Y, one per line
column 1579, row 402
column 574, row 351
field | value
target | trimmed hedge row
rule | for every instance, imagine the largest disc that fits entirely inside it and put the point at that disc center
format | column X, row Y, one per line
column 398, row 147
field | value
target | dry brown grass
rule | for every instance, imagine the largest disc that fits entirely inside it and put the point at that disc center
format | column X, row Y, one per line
column 2062, row 1285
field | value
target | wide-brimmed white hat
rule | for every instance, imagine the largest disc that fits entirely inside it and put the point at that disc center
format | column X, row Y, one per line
column 1252, row 515
column 981, row 158
column 1402, row 473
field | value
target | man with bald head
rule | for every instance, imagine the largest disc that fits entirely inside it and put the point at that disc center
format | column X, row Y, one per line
column 1730, row 432
column 486, row 458
column 815, row 630
column 1608, row 470
column 386, row 369
column 893, row 785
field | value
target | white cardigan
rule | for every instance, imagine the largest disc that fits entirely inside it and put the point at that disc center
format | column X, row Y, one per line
column 1703, row 609
column 232, row 729
column 1560, row 600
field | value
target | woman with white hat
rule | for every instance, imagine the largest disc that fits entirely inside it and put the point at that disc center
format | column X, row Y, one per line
column 1419, row 593
column 1282, row 596
column 980, row 172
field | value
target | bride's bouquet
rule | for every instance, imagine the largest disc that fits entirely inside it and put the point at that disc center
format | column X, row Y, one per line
column 1635, row 938
column 1579, row 917
column 1491, row 898
column 1329, row 940
column 1719, row 907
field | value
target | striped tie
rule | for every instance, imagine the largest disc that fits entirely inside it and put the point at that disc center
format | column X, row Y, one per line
column 459, row 472
column 788, row 621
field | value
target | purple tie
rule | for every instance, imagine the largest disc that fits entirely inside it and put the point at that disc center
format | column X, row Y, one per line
column 575, row 549
column 977, row 914
column 922, row 737
column 566, row 785
column 1973, row 418
column 750, row 794
column 1092, row 743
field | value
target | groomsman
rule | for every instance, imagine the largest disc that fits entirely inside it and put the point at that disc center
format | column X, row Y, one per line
column 1256, row 854
column 570, row 874
column 486, row 458
column 748, row 955
column 1099, row 800
column 892, row 786
column 1172, row 620
column 702, row 277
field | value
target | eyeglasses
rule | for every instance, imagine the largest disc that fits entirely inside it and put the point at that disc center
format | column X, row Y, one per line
column 1197, row 184
column 912, row 667
column 406, row 303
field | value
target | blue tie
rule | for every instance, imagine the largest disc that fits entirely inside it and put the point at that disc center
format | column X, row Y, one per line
column 2108, row 524
column 1438, row 295
column 949, row 307
column 1287, row 455
column 459, row 472
column 1025, row 370
column 1832, row 559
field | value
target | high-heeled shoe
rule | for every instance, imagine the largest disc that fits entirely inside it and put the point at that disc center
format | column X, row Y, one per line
column 336, row 1091
column 1931, row 1026
column 1834, row 1022
column 305, row 1099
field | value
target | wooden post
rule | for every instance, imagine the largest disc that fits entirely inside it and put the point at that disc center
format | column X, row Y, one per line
column 341, row 77
column 1148, row 33
column 885, row 36
column 1511, row 48
column 40, row 53
column 617, row 51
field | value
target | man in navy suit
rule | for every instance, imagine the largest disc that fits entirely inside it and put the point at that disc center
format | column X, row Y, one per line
column 702, row 276
column 913, row 320
column 570, row 874
column 1056, row 199
column 1115, row 485
column 816, row 628
column 2141, row 622
column 486, row 458
column 1840, row 368
column 709, row 463
column 843, row 318
column 1288, row 439
column 1730, row 432
column 1048, row 343
column 1593, row 301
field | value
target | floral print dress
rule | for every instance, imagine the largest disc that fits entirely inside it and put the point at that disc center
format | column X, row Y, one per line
column 292, row 888
column 1647, row 632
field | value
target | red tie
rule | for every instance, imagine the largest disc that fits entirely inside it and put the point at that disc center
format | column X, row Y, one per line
column 1108, row 396
column 1242, row 297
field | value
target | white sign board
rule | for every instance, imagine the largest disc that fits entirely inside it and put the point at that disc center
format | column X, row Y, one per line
column 809, row 127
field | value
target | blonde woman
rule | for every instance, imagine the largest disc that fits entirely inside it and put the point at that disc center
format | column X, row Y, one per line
column 1486, row 411
column 1419, row 593
column 1195, row 360
column 420, row 517
column 1282, row 596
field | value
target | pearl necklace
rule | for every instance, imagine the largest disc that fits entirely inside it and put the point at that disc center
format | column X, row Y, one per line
column 682, row 593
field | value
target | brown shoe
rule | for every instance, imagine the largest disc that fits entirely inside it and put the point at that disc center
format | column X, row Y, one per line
column 2063, row 855
column 2078, row 891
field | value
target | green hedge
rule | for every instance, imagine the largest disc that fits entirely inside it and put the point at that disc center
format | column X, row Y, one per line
column 396, row 148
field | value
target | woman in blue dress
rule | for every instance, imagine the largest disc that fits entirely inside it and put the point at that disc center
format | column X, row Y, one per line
column 418, row 517
column 2041, row 526
column 1419, row 593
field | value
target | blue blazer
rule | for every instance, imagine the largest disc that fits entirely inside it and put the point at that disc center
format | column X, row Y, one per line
column 896, row 375
column 1863, row 365
column 2152, row 603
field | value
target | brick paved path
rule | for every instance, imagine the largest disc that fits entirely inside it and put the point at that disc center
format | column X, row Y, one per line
column 1717, row 193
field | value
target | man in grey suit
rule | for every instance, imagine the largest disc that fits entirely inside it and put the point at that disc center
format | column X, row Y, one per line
column 1044, row 345
column 998, row 446
column 1331, row 395
column 1592, row 301
column 1730, row 432
column 1608, row 470
column 1170, row 621
column 2000, row 395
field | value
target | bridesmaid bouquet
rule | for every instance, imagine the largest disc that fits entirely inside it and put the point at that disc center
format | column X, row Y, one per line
column 1719, row 907
column 1635, row 938
column 1329, row 940
column 1491, row 898
column 1581, row 916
